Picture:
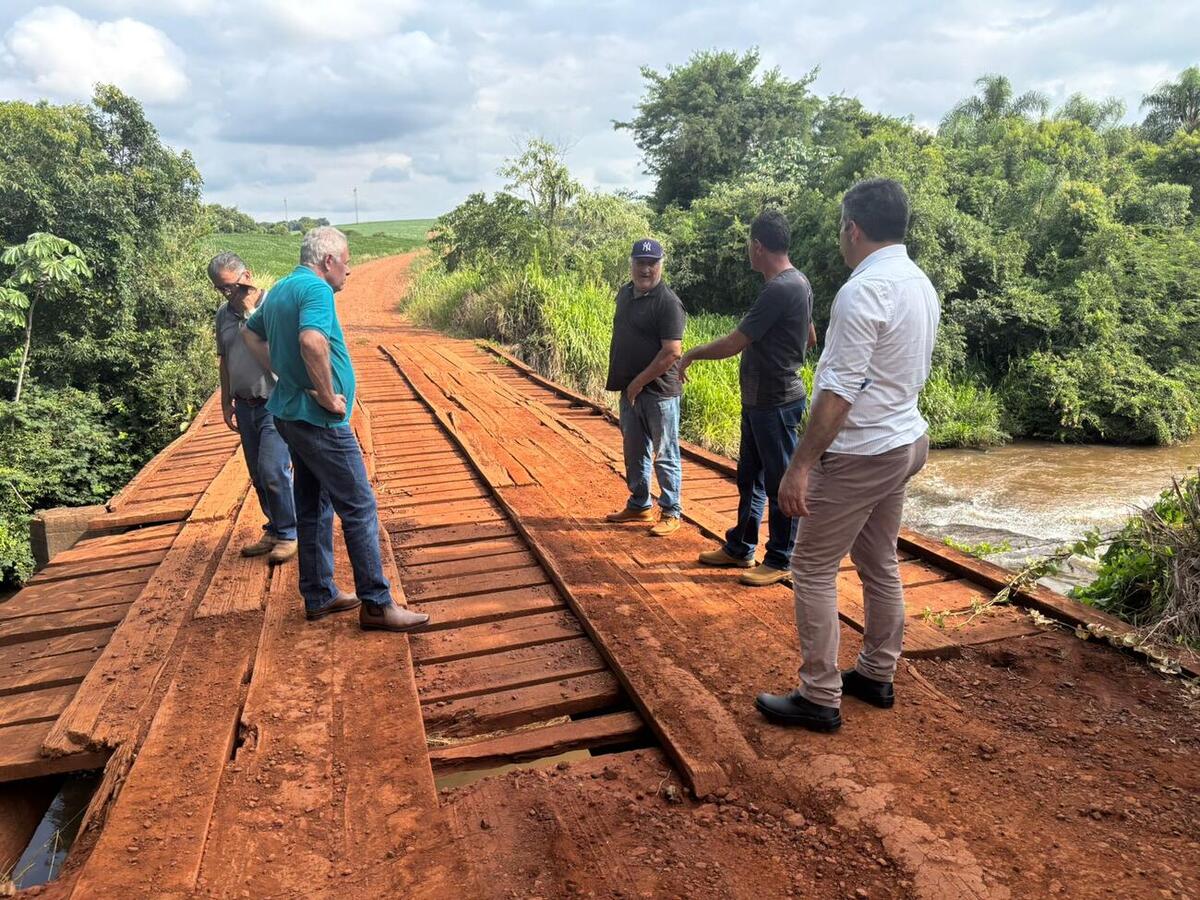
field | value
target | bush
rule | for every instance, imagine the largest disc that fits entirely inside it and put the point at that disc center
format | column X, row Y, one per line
column 961, row 412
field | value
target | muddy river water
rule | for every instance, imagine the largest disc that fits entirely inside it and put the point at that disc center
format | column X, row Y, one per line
column 1038, row 495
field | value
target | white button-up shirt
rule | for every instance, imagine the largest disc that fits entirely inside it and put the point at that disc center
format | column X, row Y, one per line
column 877, row 352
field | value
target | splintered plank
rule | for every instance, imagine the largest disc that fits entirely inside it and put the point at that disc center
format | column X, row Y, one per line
column 508, row 669
column 598, row 731
column 173, row 784
column 483, row 583
column 481, row 608
column 240, row 582
column 521, row 706
column 510, row 634
column 109, row 707
column 20, row 754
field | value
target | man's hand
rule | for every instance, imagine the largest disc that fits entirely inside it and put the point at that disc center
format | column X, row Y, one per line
column 684, row 362
column 230, row 420
column 793, row 492
column 631, row 393
column 335, row 404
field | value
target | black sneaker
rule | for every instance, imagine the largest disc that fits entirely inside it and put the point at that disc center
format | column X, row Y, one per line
column 868, row 690
column 792, row 709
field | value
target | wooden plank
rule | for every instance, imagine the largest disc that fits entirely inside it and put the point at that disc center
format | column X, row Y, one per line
column 469, row 565
column 510, row 634
column 480, row 513
column 56, row 646
column 468, row 585
column 360, row 421
column 28, row 628
column 115, row 562
column 411, row 559
column 47, row 672
column 90, row 585
column 174, row 782
column 521, row 706
column 131, row 544
column 418, row 535
column 42, row 705
column 507, row 669
column 239, row 583
column 110, row 706
column 598, row 731
column 407, row 499
column 44, row 603
column 126, row 538
column 131, row 514
column 20, row 754
column 224, row 495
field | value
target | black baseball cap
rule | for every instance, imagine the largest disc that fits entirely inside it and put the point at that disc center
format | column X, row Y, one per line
column 647, row 248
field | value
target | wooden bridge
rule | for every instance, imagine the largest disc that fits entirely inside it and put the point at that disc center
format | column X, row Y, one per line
column 246, row 752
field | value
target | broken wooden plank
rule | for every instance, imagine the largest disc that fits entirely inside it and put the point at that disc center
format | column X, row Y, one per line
column 552, row 740
column 508, row 669
column 20, row 754
column 239, row 583
column 131, row 514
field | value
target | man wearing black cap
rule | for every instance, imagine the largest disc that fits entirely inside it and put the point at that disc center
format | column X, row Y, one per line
column 772, row 339
column 643, row 364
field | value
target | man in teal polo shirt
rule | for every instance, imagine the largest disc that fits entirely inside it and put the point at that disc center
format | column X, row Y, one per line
column 297, row 333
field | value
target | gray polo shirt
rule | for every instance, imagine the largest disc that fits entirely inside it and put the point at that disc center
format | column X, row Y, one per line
column 247, row 379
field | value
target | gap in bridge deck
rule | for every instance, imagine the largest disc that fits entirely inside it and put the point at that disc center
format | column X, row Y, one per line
column 506, row 676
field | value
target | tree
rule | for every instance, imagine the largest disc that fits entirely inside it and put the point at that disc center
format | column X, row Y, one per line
column 1174, row 106
column 45, row 267
column 540, row 173
column 1099, row 115
column 995, row 101
column 697, row 124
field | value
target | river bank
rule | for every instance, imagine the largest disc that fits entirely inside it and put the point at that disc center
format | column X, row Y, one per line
column 1037, row 496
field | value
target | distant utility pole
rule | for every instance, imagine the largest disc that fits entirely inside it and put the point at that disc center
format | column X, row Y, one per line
column 356, row 206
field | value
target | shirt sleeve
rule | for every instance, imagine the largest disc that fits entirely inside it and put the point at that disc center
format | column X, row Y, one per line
column 672, row 320
column 859, row 317
column 316, row 310
column 255, row 322
column 763, row 314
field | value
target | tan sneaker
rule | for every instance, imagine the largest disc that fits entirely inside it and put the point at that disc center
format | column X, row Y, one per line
column 761, row 576
column 282, row 552
column 260, row 547
column 633, row 515
column 664, row 526
column 721, row 558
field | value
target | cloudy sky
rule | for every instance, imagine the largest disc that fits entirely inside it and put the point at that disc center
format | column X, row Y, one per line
column 417, row 103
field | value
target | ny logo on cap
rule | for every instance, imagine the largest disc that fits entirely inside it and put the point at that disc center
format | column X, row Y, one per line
column 646, row 248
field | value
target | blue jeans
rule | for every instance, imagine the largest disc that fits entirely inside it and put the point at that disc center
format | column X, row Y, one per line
column 330, row 477
column 650, row 432
column 769, row 439
column 270, row 467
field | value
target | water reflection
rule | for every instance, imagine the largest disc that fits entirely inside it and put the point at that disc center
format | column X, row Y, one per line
column 48, row 849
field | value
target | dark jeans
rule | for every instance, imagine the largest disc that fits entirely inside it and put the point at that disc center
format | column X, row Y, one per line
column 330, row 477
column 270, row 467
column 768, row 440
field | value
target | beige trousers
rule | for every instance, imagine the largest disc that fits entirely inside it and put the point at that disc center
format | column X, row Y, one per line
column 854, row 503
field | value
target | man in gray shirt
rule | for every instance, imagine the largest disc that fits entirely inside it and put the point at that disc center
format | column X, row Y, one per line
column 245, row 388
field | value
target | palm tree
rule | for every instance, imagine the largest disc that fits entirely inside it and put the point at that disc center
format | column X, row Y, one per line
column 1099, row 115
column 1173, row 105
column 995, row 101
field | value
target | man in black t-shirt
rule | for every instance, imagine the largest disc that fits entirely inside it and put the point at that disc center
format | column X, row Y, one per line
column 643, row 364
column 772, row 338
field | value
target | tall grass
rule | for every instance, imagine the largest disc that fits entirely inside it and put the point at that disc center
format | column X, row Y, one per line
column 961, row 412
column 272, row 256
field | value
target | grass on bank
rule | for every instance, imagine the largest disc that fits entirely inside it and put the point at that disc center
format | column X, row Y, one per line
column 272, row 256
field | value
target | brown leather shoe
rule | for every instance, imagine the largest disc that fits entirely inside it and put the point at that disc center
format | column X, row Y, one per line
column 261, row 547
column 721, row 558
column 666, row 525
column 343, row 602
column 761, row 576
column 389, row 618
column 633, row 515
column 282, row 552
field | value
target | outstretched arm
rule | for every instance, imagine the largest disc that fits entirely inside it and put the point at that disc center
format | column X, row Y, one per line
column 722, row 348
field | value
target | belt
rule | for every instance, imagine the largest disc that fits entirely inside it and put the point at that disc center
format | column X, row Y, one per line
column 251, row 401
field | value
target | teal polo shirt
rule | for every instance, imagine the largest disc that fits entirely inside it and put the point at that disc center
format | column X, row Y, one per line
column 300, row 301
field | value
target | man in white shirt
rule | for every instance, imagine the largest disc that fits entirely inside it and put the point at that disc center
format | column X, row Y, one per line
column 865, row 439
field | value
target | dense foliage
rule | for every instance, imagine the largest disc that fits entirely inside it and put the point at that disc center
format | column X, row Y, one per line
column 231, row 220
column 118, row 360
column 1065, row 247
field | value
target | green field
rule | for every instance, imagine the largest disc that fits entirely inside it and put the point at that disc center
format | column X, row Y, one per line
column 272, row 256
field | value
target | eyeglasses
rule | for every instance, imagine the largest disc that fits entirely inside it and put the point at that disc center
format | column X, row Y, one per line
column 228, row 290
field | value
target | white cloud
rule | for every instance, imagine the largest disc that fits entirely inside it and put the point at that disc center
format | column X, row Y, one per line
column 65, row 55
column 393, row 167
column 348, row 21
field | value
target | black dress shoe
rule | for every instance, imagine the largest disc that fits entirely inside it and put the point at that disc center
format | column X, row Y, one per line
column 868, row 690
column 792, row 709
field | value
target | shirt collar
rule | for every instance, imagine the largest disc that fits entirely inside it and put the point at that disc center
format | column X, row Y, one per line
column 892, row 251
column 654, row 290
